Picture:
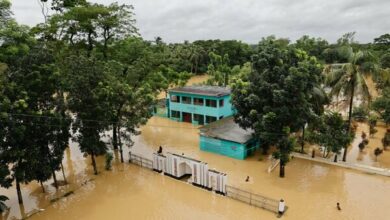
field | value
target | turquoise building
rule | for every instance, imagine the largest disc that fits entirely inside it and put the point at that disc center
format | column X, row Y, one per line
column 199, row 105
column 225, row 137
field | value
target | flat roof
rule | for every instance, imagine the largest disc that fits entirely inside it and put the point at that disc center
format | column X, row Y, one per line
column 215, row 91
column 227, row 129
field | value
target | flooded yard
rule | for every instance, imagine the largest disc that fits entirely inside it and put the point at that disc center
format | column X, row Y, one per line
column 311, row 190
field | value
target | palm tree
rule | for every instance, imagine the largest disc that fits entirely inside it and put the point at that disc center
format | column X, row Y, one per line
column 348, row 79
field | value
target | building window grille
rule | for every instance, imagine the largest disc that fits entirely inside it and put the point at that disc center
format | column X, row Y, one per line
column 211, row 103
column 175, row 98
column 221, row 103
column 186, row 100
column 198, row 101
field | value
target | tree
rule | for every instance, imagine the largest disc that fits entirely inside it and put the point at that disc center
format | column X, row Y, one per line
column 275, row 99
column 86, row 77
column 312, row 46
column 330, row 133
column 385, row 60
column 382, row 42
column 5, row 12
column 382, row 105
column 219, row 70
column 347, row 79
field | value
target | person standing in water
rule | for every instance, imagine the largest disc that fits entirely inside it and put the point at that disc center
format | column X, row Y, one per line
column 338, row 206
column 247, row 179
column 159, row 150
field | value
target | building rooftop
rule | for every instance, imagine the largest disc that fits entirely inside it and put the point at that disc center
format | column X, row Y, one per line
column 226, row 129
column 215, row 91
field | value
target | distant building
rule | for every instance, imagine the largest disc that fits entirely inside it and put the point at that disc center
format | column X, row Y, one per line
column 199, row 104
column 225, row 137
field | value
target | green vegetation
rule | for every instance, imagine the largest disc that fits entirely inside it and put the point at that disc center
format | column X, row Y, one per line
column 330, row 132
column 276, row 98
column 86, row 71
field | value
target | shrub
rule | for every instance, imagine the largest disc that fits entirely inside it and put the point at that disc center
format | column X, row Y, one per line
column 109, row 159
column 359, row 113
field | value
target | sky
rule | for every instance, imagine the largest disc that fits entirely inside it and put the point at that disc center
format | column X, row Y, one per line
column 245, row 20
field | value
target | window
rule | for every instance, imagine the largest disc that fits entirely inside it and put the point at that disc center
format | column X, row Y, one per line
column 221, row 103
column 198, row 117
column 175, row 114
column 210, row 119
column 175, row 98
column 198, row 101
column 211, row 103
column 186, row 100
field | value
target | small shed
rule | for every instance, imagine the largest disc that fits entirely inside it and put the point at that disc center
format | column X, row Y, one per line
column 227, row 138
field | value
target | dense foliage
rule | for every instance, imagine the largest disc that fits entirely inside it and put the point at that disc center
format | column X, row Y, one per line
column 275, row 100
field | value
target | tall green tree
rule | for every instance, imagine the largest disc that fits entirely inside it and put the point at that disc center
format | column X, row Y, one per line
column 330, row 133
column 276, row 98
column 219, row 70
column 86, row 77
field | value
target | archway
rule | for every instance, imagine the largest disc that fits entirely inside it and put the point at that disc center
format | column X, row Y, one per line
column 185, row 171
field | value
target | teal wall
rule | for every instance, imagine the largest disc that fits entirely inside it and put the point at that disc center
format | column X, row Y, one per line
column 224, row 147
column 224, row 111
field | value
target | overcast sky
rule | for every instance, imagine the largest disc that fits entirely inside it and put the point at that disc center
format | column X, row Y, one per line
column 246, row 20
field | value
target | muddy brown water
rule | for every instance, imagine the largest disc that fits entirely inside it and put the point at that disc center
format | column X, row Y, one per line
column 311, row 190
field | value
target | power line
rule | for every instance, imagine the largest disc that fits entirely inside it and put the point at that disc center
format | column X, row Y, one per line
column 111, row 122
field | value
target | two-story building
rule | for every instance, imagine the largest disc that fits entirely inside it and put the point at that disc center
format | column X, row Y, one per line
column 199, row 104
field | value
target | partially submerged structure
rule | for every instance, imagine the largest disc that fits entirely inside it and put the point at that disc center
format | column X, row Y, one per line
column 227, row 138
column 199, row 105
column 180, row 166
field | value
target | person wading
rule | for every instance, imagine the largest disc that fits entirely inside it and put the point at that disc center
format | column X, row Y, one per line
column 338, row 206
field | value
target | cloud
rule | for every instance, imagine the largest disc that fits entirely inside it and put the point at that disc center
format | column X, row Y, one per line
column 246, row 20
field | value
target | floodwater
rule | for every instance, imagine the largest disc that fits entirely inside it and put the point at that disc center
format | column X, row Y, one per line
column 367, row 156
column 310, row 189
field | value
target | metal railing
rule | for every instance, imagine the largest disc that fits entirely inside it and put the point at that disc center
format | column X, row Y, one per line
column 252, row 199
column 140, row 161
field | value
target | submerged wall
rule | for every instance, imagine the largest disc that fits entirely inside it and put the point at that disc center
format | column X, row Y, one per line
column 178, row 166
column 227, row 148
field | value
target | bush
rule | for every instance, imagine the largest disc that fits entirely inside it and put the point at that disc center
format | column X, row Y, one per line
column 359, row 113
column 109, row 159
column 377, row 152
column 386, row 139
column 361, row 146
